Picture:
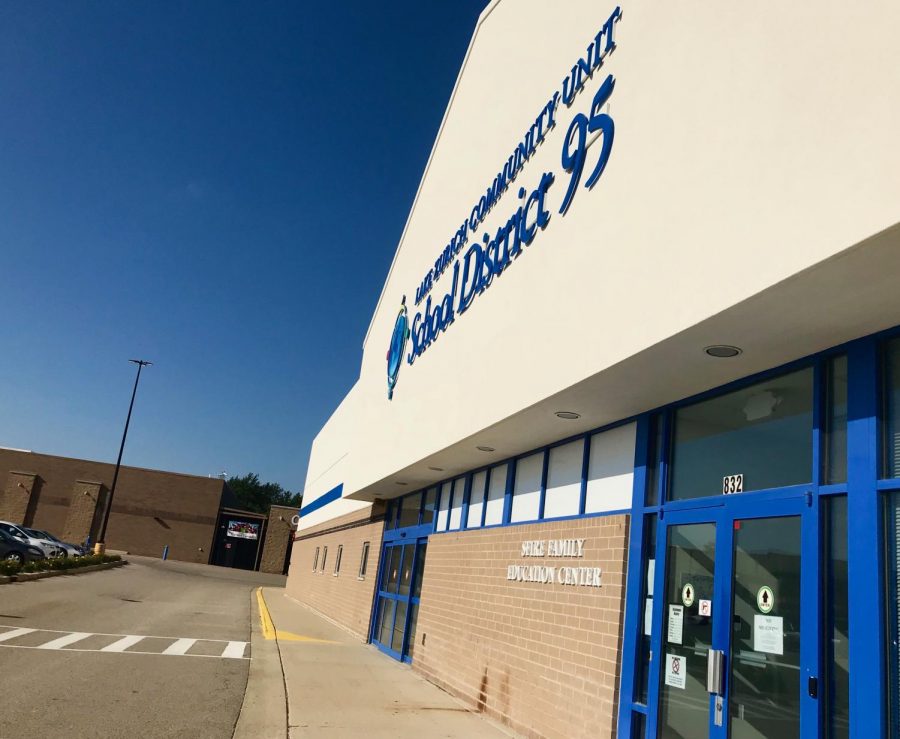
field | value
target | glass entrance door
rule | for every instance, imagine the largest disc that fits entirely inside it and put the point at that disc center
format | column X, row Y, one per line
column 738, row 634
column 397, row 606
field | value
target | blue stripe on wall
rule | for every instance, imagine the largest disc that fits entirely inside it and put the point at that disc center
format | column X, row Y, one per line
column 323, row 500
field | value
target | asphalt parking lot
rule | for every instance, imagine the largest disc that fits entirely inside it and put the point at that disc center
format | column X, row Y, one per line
column 153, row 649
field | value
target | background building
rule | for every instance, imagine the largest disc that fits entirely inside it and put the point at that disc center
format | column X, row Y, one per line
column 151, row 510
column 637, row 421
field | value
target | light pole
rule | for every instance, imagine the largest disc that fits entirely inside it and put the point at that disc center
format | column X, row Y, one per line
column 100, row 546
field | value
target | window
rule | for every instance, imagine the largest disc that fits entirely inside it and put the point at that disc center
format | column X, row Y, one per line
column 610, row 470
column 428, row 508
column 409, row 510
column 891, row 435
column 459, row 490
column 837, row 620
column 337, row 559
column 324, row 557
column 444, row 510
column 364, row 561
column 834, row 456
column 892, row 574
column 763, row 432
column 390, row 516
column 316, row 559
column 476, row 500
column 496, row 495
column 653, row 459
column 526, row 500
column 563, row 496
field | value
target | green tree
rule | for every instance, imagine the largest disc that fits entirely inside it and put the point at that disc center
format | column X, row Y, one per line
column 257, row 496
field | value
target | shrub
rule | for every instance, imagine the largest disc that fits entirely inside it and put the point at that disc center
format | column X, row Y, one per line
column 68, row 563
column 8, row 567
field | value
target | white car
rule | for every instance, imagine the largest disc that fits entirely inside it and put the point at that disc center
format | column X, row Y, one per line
column 49, row 548
column 68, row 550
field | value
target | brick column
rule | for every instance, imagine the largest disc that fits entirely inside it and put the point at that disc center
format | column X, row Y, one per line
column 16, row 498
column 278, row 535
column 86, row 497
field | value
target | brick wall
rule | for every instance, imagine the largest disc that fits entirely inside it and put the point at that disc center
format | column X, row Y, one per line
column 151, row 508
column 346, row 598
column 278, row 536
column 542, row 658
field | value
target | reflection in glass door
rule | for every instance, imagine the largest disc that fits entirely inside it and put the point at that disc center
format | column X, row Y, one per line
column 687, row 632
column 734, row 660
column 765, row 644
column 398, row 598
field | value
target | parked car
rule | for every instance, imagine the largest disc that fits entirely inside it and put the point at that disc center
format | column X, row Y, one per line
column 15, row 550
column 50, row 549
column 68, row 550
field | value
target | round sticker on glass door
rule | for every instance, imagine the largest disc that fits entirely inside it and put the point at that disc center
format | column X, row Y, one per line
column 687, row 595
column 765, row 599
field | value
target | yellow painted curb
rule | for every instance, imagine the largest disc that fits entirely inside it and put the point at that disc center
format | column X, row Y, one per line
column 270, row 632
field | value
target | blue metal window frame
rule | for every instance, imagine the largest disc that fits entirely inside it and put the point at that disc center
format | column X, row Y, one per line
column 864, row 489
column 417, row 545
column 868, row 699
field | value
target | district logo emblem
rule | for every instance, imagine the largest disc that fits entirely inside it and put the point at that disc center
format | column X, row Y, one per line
column 398, row 345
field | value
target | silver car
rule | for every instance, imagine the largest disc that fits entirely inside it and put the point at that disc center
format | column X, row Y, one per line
column 49, row 548
column 68, row 550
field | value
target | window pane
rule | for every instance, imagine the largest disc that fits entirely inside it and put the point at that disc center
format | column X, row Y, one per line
column 428, row 510
column 444, row 511
column 413, row 617
column 891, row 466
column 527, row 492
column 654, row 455
column 834, row 461
column 409, row 510
column 563, row 497
column 763, row 432
column 364, row 559
column 892, row 570
column 420, row 570
column 459, row 490
column 610, row 470
column 837, row 617
column 766, row 554
column 337, row 559
column 324, row 557
column 390, row 518
column 476, row 500
column 406, row 568
column 387, row 622
column 649, row 569
column 316, row 559
column 496, row 494
column 399, row 626
column 393, row 570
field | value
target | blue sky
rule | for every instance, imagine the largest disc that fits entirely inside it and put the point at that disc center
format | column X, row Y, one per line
column 217, row 187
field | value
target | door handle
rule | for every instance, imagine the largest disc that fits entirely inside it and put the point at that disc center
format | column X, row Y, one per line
column 715, row 671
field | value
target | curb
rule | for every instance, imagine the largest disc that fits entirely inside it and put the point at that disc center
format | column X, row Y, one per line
column 264, row 710
column 28, row 576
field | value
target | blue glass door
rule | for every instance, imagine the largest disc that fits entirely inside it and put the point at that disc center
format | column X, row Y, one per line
column 399, row 590
column 738, row 621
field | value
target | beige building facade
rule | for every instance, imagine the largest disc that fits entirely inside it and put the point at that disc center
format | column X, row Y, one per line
column 631, row 466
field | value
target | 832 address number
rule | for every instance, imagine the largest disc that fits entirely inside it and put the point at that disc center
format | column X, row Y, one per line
column 732, row 484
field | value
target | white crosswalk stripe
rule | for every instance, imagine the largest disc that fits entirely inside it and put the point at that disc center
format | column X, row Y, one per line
column 14, row 634
column 122, row 644
column 12, row 637
column 180, row 647
column 234, row 650
column 64, row 641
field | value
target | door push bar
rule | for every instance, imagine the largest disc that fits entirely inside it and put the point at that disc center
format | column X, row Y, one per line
column 715, row 682
column 715, row 672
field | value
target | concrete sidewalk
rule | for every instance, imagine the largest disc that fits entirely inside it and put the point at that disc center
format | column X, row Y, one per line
column 336, row 686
